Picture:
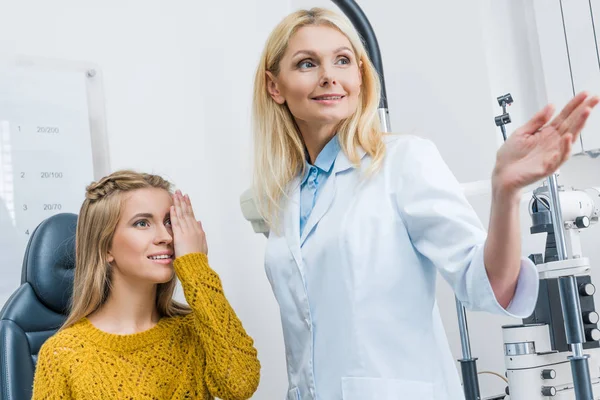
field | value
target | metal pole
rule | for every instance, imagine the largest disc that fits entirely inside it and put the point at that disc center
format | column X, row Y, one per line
column 384, row 119
column 569, row 301
column 468, row 364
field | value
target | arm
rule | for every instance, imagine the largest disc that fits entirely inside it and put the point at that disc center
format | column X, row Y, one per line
column 232, row 368
column 445, row 230
column 502, row 254
column 50, row 382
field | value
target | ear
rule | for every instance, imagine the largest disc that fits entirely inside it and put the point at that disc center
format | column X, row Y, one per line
column 109, row 257
column 273, row 89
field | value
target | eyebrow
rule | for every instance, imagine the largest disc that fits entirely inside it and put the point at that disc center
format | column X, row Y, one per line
column 313, row 54
column 139, row 215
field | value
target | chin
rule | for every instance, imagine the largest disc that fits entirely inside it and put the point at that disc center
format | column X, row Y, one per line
column 162, row 279
column 163, row 275
column 333, row 118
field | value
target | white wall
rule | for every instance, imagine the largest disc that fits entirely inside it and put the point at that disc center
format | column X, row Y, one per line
column 178, row 79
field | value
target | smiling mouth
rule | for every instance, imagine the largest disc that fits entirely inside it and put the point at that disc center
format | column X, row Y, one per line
column 321, row 98
column 161, row 258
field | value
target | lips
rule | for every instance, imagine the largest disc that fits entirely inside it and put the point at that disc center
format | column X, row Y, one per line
column 331, row 96
column 162, row 255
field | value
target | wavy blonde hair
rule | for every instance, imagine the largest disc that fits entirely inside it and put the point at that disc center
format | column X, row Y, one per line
column 279, row 153
column 96, row 227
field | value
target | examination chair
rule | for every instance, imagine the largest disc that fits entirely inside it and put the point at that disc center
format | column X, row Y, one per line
column 39, row 306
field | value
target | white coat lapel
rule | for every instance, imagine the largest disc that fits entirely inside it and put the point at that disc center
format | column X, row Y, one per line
column 321, row 206
column 292, row 220
column 325, row 198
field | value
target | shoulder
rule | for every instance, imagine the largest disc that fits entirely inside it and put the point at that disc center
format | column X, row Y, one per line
column 409, row 146
column 415, row 163
column 181, row 325
column 410, row 154
column 62, row 345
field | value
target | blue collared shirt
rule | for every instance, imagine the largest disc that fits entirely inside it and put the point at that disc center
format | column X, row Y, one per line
column 314, row 178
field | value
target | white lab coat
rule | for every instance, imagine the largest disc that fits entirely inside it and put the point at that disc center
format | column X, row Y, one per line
column 357, row 290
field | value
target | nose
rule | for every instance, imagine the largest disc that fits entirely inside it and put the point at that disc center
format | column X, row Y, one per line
column 163, row 235
column 327, row 77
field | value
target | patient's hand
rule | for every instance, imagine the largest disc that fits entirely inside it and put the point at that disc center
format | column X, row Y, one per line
column 188, row 235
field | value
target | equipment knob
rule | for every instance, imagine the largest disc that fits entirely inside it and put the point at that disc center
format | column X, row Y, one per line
column 591, row 317
column 582, row 222
column 587, row 289
column 548, row 374
column 592, row 335
column 548, row 391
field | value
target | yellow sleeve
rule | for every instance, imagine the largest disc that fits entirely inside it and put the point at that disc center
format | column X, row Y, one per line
column 232, row 366
column 50, row 382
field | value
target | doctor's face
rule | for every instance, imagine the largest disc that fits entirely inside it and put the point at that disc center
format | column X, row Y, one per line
column 319, row 77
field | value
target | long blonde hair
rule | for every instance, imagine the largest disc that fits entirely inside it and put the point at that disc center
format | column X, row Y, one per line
column 279, row 153
column 96, row 226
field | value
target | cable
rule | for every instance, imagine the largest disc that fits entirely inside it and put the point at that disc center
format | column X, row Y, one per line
column 493, row 373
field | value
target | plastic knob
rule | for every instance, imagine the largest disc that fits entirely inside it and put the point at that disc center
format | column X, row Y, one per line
column 548, row 374
column 582, row 222
column 592, row 335
column 587, row 289
column 548, row 391
column 591, row 317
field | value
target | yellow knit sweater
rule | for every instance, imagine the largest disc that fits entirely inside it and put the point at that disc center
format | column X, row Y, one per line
column 203, row 355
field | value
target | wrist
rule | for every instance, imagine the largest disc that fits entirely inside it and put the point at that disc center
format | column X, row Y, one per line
column 504, row 190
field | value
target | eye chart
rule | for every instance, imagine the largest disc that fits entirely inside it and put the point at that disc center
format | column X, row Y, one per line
column 46, row 154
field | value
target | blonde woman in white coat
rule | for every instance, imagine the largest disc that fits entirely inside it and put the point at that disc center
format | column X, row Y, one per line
column 361, row 221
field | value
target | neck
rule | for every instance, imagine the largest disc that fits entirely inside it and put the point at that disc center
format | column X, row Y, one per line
column 316, row 136
column 129, row 308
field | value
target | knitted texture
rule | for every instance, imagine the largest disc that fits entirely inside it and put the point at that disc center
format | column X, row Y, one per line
column 203, row 355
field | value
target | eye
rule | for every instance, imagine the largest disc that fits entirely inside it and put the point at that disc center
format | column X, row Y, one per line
column 142, row 223
column 168, row 222
column 304, row 64
column 343, row 60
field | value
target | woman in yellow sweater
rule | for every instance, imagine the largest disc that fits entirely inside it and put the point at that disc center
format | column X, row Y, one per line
column 126, row 338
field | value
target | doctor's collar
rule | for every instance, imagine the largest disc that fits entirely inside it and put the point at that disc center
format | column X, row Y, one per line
column 326, row 157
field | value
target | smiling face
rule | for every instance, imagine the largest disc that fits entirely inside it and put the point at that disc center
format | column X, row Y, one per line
column 319, row 77
column 142, row 246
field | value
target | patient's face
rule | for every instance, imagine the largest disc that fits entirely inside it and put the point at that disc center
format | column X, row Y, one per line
column 142, row 247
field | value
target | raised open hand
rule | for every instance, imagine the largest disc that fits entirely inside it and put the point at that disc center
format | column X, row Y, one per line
column 188, row 235
column 538, row 148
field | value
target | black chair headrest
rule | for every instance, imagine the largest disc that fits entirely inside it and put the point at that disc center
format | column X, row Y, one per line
column 49, row 262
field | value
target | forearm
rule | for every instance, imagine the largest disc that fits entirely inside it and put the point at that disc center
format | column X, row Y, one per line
column 204, row 293
column 502, row 254
column 232, row 366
